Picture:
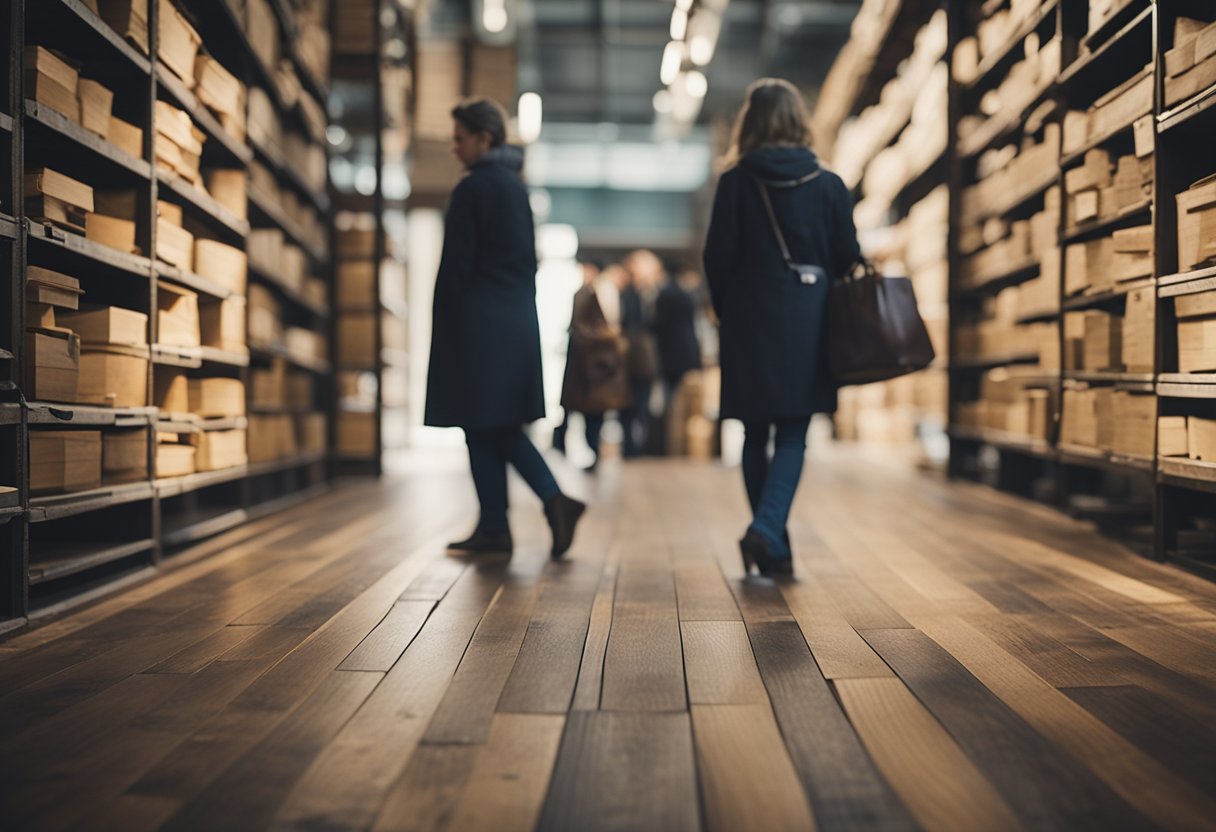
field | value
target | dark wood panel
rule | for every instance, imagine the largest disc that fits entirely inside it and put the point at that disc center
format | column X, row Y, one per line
column 1047, row 788
column 1181, row 743
column 644, row 665
column 543, row 677
column 467, row 709
column 249, row 791
column 385, row 644
column 845, row 788
column 623, row 771
column 424, row 795
column 591, row 668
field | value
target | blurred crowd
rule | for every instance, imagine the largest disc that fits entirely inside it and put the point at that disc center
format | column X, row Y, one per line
column 641, row 333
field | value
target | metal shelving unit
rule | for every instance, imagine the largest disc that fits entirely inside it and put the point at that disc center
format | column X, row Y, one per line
column 1169, row 492
column 57, row 547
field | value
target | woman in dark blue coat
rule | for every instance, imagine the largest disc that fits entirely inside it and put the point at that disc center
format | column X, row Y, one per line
column 485, row 369
column 773, row 365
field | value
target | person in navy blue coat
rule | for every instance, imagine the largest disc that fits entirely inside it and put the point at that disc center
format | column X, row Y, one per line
column 772, row 322
column 485, row 366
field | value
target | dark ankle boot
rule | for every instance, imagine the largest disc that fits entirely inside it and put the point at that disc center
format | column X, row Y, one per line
column 563, row 513
column 757, row 552
column 484, row 542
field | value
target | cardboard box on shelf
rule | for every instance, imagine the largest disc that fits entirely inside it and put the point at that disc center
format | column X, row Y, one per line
column 1144, row 134
column 1201, row 438
column 265, row 318
column 228, row 188
column 311, row 432
column 222, row 263
column 304, row 343
column 174, row 459
column 113, row 232
column 1103, row 341
column 46, row 286
column 1197, row 345
column 1133, row 253
column 124, row 456
column 217, row 397
column 1191, row 64
column 129, row 18
column 1196, row 305
column 1171, row 436
column 218, row 88
column 64, row 460
column 126, row 137
column 265, row 248
column 356, row 243
column 357, row 339
column 113, row 375
column 1139, row 331
column 43, row 61
column 271, row 437
column 174, row 244
column 55, row 212
column 1197, row 224
column 95, row 102
column 261, row 29
column 300, row 390
column 357, row 433
column 270, row 385
column 1096, row 172
column 108, row 325
column 177, row 315
column 39, row 316
column 1079, row 419
column 219, row 449
column 51, row 183
column 170, row 212
column 50, row 93
column 1124, row 104
column 1133, row 181
column 1135, row 424
column 52, row 364
column 222, row 323
column 1088, row 265
column 177, row 42
column 170, row 390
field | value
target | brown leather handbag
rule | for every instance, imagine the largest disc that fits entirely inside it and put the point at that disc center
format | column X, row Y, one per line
column 874, row 329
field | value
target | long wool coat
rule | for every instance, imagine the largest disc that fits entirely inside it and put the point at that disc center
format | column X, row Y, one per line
column 485, row 369
column 772, row 324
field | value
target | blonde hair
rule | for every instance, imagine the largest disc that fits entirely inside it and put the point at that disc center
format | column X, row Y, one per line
column 773, row 114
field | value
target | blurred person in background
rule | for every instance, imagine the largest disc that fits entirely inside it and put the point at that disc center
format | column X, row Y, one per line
column 771, row 353
column 595, row 381
column 675, row 332
column 641, row 279
column 485, row 364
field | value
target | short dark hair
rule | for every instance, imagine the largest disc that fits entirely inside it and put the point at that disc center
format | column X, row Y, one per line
column 483, row 115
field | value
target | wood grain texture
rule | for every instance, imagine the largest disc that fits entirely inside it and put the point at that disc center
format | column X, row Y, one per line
column 1047, row 789
column 623, row 771
column 719, row 664
column 846, row 790
column 747, row 779
column 510, row 775
column 544, row 674
column 970, row 662
column 643, row 664
column 906, row 742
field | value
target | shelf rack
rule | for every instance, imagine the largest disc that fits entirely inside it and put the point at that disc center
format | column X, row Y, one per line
column 1135, row 34
column 44, row 563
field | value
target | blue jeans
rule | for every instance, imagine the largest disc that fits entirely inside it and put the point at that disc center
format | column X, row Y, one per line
column 490, row 451
column 771, row 483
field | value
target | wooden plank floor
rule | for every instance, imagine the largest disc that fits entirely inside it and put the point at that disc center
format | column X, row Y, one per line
column 948, row 658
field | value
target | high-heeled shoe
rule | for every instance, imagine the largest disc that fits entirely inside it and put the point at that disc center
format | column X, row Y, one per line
column 562, row 513
column 482, row 542
column 756, row 551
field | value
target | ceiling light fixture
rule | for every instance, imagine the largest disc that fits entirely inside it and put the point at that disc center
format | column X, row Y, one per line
column 673, row 57
column 679, row 23
column 530, row 117
column 695, row 84
column 701, row 49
